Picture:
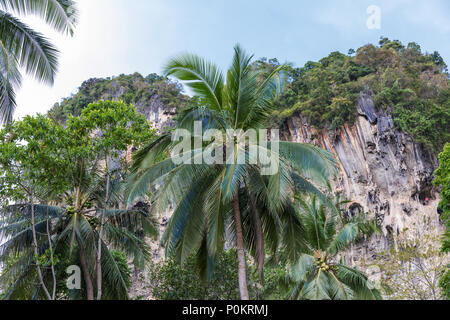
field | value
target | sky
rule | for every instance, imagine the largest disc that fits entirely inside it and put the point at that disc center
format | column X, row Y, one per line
column 125, row 36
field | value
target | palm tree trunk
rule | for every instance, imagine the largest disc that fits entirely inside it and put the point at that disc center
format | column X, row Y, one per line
column 86, row 274
column 242, row 273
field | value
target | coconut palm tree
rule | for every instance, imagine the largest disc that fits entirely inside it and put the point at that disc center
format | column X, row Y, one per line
column 69, row 235
column 208, row 199
column 319, row 273
column 22, row 47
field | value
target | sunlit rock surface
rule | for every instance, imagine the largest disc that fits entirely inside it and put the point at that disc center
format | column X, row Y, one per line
column 382, row 171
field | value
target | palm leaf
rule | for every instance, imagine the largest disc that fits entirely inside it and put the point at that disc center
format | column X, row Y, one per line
column 202, row 76
column 31, row 49
column 61, row 15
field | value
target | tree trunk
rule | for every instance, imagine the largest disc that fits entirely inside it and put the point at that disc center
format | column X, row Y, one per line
column 51, row 257
column 240, row 249
column 86, row 274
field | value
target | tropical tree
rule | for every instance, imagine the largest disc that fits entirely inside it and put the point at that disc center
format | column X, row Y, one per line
column 67, row 203
column 207, row 196
column 121, row 231
column 112, row 127
column 319, row 273
column 22, row 47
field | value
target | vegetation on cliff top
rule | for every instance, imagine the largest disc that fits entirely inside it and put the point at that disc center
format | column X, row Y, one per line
column 134, row 89
column 411, row 85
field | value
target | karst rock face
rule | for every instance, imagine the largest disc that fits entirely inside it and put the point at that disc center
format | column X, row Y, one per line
column 382, row 171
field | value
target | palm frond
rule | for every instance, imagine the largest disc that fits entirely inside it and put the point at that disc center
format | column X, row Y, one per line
column 317, row 287
column 302, row 269
column 10, row 80
column 202, row 76
column 61, row 15
column 358, row 282
column 115, row 284
column 309, row 161
column 344, row 238
column 31, row 49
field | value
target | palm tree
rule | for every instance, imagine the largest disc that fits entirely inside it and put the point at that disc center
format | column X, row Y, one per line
column 208, row 198
column 319, row 273
column 69, row 235
column 22, row 47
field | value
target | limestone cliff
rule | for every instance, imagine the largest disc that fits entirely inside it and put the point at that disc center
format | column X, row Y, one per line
column 382, row 171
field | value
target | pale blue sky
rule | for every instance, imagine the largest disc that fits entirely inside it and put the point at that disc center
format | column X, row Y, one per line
column 126, row 36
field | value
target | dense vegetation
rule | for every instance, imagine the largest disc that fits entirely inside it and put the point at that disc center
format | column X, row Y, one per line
column 411, row 85
column 172, row 281
column 62, row 204
column 136, row 89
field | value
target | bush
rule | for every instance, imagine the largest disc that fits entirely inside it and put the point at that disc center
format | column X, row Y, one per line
column 171, row 281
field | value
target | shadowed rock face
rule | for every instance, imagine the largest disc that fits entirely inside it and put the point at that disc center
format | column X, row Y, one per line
column 381, row 169
column 366, row 109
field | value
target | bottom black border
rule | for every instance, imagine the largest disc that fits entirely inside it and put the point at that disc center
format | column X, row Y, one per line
column 128, row 310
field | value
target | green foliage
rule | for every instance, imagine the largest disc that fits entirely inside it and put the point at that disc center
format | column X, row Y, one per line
column 173, row 281
column 30, row 158
column 132, row 89
column 413, row 86
column 41, row 162
column 121, row 261
column 443, row 179
column 319, row 273
column 444, row 283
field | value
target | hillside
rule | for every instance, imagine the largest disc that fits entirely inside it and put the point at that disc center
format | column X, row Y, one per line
column 404, row 82
column 155, row 96
column 412, row 86
column 383, row 111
